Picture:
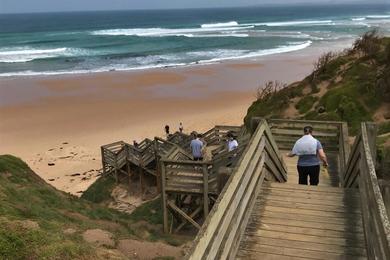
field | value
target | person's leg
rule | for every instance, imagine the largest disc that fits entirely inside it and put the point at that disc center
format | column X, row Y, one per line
column 314, row 173
column 302, row 175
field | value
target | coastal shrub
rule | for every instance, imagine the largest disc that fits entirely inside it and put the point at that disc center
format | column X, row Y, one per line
column 26, row 197
column 382, row 89
column 384, row 128
column 362, row 85
column 305, row 104
column 272, row 98
column 149, row 211
column 265, row 92
column 369, row 44
column 100, row 190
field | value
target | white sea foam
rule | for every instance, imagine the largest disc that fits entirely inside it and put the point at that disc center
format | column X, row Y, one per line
column 161, row 32
column 359, row 19
column 296, row 23
column 223, row 55
column 378, row 16
column 172, row 60
column 8, row 55
column 217, row 25
column 26, row 54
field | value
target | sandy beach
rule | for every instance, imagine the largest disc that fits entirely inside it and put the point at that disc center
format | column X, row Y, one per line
column 58, row 123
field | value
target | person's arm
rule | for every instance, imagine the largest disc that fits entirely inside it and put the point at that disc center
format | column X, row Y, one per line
column 322, row 156
column 290, row 154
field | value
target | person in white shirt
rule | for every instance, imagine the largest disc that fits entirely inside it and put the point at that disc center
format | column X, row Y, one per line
column 232, row 142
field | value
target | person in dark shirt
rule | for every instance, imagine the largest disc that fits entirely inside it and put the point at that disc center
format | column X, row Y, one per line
column 167, row 130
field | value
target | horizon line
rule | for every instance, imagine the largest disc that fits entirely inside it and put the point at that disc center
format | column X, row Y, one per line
column 362, row 3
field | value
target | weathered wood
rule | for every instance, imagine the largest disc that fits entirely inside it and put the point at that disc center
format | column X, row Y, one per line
column 223, row 227
column 205, row 190
column 360, row 172
column 183, row 214
column 164, row 198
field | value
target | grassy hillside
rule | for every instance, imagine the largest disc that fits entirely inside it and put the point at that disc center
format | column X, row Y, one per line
column 40, row 222
column 351, row 86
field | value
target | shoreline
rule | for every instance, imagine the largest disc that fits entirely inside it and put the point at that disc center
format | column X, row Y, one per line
column 65, row 119
column 313, row 48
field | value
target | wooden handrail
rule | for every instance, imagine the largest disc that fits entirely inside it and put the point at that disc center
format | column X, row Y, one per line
column 333, row 135
column 360, row 172
column 222, row 230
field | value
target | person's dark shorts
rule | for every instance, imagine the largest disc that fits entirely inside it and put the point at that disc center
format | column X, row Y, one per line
column 198, row 158
column 313, row 172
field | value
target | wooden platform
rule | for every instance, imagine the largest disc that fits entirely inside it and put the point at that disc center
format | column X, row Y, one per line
column 291, row 221
column 298, row 222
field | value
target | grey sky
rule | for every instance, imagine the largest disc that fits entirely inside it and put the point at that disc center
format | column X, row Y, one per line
column 21, row 6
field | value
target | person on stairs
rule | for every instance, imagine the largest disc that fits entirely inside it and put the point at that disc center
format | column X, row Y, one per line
column 196, row 146
column 310, row 152
column 232, row 142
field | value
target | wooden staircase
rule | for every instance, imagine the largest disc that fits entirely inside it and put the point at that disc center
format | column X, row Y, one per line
column 262, row 213
column 302, row 222
column 291, row 221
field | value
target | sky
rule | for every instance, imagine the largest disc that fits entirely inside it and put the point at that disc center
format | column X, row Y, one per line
column 26, row 6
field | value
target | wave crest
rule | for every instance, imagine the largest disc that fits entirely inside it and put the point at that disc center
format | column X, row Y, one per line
column 218, row 25
column 25, row 55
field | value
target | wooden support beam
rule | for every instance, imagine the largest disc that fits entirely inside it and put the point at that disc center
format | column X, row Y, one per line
column 183, row 214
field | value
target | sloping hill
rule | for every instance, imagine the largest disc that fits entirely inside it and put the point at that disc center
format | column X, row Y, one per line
column 351, row 86
column 40, row 222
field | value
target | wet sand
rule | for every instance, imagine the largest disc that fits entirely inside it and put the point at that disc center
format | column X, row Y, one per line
column 58, row 123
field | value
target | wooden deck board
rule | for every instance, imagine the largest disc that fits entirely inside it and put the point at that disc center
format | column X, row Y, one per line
column 291, row 221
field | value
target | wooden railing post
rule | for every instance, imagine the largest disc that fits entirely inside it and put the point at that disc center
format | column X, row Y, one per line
column 103, row 160
column 205, row 190
column 371, row 129
column 164, row 198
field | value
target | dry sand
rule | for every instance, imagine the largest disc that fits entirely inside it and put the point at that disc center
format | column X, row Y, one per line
column 58, row 123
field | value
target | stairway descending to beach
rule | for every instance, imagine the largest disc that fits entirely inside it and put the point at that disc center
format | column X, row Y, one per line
column 291, row 221
column 263, row 213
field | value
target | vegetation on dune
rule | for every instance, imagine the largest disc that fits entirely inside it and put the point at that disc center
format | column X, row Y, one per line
column 34, row 218
column 100, row 190
column 348, row 86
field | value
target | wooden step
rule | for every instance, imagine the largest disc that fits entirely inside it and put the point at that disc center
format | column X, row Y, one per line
column 322, row 231
column 253, row 251
column 281, row 242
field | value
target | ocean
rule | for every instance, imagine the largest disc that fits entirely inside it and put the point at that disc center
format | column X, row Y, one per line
column 88, row 42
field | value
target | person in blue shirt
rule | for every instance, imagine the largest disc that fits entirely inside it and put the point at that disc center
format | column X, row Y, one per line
column 310, row 153
column 196, row 146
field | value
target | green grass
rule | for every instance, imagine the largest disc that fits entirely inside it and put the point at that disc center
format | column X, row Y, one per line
column 275, row 105
column 384, row 128
column 150, row 212
column 25, row 196
column 362, row 86
column 100, row 190
column 305, row 104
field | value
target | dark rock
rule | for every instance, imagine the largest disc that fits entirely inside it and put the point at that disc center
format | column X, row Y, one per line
column 386, row 115
column 65, row 143
column 75, row 174
column 51, row 179
column 321, row 109
column 51, row 164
